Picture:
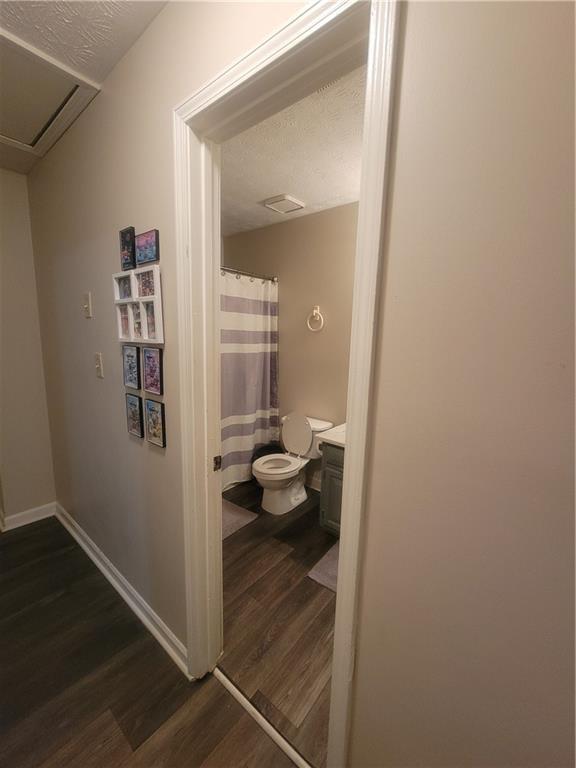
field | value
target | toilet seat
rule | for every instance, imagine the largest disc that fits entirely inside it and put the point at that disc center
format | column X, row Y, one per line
column 296, row 434
column 278, row 465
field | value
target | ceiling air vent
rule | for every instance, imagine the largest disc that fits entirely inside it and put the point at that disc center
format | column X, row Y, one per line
column 283, row 204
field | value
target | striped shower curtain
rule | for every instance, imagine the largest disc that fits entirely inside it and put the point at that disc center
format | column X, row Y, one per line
column 249, row 370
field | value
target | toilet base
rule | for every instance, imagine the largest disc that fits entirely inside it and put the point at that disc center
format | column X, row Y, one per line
column 279, row 501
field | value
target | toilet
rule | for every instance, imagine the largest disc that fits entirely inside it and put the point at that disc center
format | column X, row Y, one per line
column 282, row 474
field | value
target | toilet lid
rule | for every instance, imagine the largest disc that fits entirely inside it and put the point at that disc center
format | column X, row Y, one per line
column 297, row 434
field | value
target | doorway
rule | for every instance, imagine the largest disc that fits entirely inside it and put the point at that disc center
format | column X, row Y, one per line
column 284, row 374
column 323, row 42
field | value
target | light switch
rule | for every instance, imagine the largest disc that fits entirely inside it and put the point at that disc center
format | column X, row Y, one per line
column 87, row 305
column 99, row 365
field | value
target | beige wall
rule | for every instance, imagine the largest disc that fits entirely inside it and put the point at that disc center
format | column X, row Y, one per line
column 465, row 653
column 313, row 258
column 25, row 454
column 114, row 168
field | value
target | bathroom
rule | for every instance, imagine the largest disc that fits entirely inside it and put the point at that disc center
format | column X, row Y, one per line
column 290, row 187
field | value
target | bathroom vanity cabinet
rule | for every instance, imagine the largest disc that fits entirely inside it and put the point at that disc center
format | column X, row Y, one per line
column 331, row 493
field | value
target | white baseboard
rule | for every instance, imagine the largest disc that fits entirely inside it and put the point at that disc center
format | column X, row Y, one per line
column 167, row 639
column 29, row 516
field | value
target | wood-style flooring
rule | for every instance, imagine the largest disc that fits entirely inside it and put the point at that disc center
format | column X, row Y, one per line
column 279, row 623
column 84, row 685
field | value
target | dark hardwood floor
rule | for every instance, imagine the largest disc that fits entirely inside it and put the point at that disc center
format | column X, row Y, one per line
column 278, row 623
column 84, row 685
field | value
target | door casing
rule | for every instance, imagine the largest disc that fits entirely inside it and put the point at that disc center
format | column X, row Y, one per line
column 324, row 41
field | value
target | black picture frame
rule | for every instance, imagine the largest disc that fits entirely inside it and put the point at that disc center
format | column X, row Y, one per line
column 130, row 356
column 134, row 415
column 147, row 247
column 152, row 356
column 155, row 427
column 128, row 248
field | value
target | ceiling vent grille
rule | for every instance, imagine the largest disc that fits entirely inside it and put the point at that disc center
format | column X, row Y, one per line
column 283, row 204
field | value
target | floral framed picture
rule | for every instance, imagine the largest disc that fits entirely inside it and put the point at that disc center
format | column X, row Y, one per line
column 136, row 321
column 155, row 422
column 147, row 247
column 134, row 417
column 131, row 366
column 150, row 311
column 145, row 279
column 123, row 287
column 153, row 373
column 123, row 322
column 128, row 248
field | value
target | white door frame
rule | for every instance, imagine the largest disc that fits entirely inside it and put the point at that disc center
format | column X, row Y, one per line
column 326, row 39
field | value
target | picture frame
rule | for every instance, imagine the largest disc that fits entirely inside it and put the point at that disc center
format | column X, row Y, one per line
column 150, row 319
column 136, row 321
column 147, row 247
column 127, row 248
column 153, row 372
column 134, row 415
column 146, row 283
column 123, row 288
column 138, row 301
column 155, row 420
column 131, row 366
column 123, row 322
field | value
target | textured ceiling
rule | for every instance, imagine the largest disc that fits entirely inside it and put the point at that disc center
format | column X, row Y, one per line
column 311, row 150
column 90, row 37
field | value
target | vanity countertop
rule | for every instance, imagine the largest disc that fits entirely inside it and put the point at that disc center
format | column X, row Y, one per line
column 334, row 436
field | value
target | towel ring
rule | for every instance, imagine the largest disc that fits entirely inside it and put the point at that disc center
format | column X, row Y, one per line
column 315, row 317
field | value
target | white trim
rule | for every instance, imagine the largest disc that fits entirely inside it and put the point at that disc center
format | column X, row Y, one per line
column 29, row 516
column 153, row 623
column 266, row 726
column 325, row 37
column 321, row 42
column 373, row 188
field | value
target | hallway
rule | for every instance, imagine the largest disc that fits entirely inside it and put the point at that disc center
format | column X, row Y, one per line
column 86, row 684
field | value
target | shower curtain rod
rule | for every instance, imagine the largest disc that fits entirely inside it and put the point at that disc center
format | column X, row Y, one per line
column 248, row 274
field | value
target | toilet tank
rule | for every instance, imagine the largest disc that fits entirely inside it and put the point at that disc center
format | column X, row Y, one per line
column 316, row 425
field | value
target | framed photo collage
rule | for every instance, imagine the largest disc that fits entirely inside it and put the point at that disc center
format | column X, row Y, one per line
column 137, row 294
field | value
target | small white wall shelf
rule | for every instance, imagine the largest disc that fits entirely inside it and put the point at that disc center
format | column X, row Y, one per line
column 138, row 301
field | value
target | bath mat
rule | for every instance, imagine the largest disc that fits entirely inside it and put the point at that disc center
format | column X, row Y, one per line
column 325, row 571
column 234, row 518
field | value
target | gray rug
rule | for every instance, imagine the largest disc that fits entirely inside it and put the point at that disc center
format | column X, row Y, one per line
column 234, row 518
column 325, row 571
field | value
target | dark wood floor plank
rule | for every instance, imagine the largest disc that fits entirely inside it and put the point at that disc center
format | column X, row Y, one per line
column 99, row 745
column 54, row 724
column 87, row 684
column 240, row 575
column 193, row 731
column 154, row 690
column 295, row 684
column 243, row 747
column 30, row 543
column 265, row 643
column 282, row 724
column 29, row 583
column 280, row 656
column 312, row 738
column 62, row 641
